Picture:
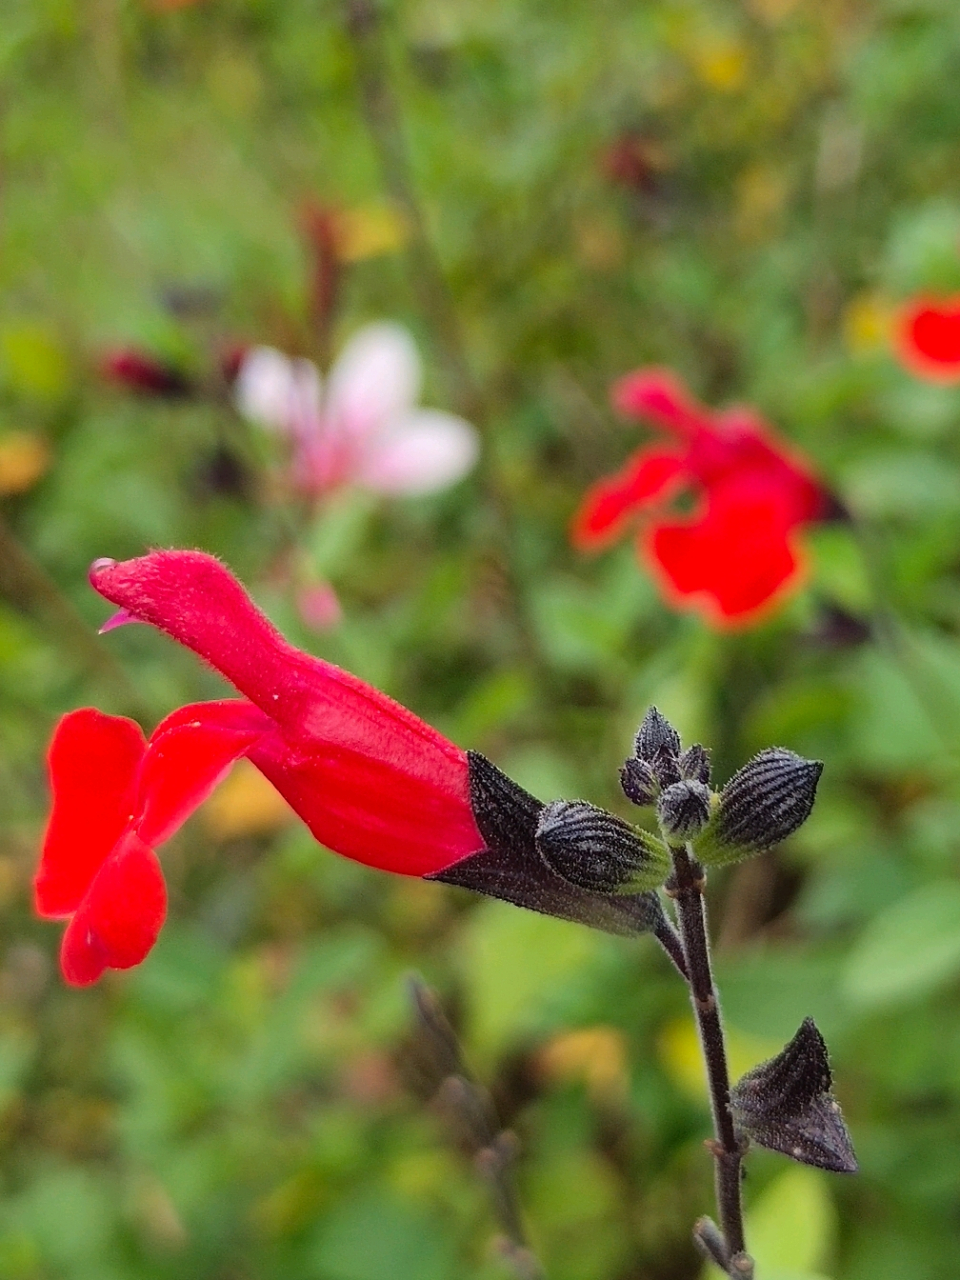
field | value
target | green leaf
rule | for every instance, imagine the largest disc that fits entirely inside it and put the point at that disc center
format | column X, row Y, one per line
column 908, row 950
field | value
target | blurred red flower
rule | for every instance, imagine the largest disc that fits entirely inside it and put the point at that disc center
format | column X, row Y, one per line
column 370, row 779
column 928, row 338
column 735, row 555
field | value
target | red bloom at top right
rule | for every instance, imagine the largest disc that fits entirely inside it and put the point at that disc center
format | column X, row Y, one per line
column 928, row 338
column 735, row 555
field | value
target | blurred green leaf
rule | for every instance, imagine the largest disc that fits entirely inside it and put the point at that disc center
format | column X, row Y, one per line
column 909, row 950
column 515, row 965
column 790, row 1228
column 377, row 1235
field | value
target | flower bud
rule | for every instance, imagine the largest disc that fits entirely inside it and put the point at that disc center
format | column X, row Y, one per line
column 655, row 734
column 598, row 851
column 639, row 782
column 683, row 811
column 762, row 804
column 695, row 764
column 786, row 1105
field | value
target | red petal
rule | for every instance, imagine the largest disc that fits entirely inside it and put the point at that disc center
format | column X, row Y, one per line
column 187, row 755
column 118, row 921
column 742, row 450
column 608, row 504
column 928, row 338
column 93, row 761
column 316, row 705
column 733, row 562
column 734, row 445
column 375, row 810
column 659, row 394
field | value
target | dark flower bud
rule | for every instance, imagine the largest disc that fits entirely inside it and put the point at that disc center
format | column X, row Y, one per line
column 786, row 1105
column 762, row 804
column 142, row 373
column 639, row 782
column 666, row 766
column 656, row 734
column 695, row 764
column 683, row 811
column 598, row 851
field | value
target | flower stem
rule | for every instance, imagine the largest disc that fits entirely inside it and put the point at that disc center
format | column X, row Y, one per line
column 686, row 889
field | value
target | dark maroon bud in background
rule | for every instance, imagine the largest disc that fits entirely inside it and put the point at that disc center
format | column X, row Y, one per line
column 143, row 374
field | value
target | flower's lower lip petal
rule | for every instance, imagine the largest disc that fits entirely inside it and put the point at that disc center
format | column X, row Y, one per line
column 121, row 618
column 118, row 921
column 93, row 762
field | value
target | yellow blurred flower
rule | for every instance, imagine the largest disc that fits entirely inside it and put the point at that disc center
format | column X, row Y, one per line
column 24, row 458
column 369, row 231
column 867, row 323
column 721, row 62
column 245, row 804
column 595, row 1055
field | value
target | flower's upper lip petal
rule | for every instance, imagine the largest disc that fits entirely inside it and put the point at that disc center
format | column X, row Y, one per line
column 660, row 395
column 343, row 731
column 192, row 597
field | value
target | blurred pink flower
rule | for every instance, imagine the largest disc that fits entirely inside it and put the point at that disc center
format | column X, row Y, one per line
column 364, row 427
column 319, row 606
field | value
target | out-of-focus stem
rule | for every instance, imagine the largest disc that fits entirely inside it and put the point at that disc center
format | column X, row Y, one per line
column 494, row 1150
column 383, row 119
column 385, row 124
column 686, row 888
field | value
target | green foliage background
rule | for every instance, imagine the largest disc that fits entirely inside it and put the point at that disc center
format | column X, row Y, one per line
column 237, row 1109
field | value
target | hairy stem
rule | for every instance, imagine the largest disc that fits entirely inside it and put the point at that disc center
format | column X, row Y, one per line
column 686, row 888
column 672, row 944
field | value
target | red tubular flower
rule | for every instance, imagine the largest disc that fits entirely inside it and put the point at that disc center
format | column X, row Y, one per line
column 736, row 555
column 928, row 338
column 143, row 374
column 370, row 780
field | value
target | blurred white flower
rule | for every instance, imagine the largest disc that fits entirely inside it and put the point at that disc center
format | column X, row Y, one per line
column 364, row 428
